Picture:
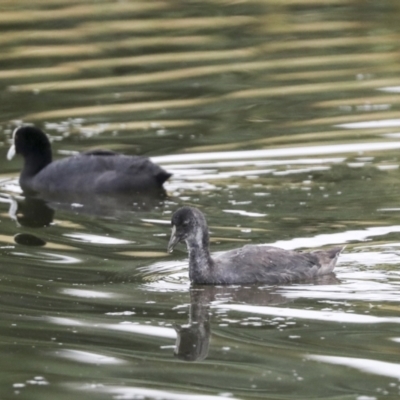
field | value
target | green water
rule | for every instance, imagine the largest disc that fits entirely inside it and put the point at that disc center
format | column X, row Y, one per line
column 279, row 120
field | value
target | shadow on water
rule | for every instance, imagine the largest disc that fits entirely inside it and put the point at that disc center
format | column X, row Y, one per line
column 27, row 239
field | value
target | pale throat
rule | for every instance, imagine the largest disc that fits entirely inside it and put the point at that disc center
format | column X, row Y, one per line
column 198, row 250
column 195, row 240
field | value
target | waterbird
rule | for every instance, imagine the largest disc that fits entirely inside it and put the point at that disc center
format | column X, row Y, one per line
column 250, row 264
column 97, row 171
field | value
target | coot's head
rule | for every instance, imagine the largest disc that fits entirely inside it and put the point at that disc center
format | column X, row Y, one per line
column 188, row 223
column 29, row 140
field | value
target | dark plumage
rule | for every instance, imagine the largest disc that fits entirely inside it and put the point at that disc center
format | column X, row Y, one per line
column 249, row 264
column 98, row 171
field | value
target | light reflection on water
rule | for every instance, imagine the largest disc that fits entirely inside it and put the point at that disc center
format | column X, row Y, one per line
column 87, row 293
column 50, row 258
column 286, row 152
column 87, row 357
column 123, row 392
column 338, row 238
column 322, row 315
column 389, row 123
column 124, row 326
column 387, row 369
column 95, row 239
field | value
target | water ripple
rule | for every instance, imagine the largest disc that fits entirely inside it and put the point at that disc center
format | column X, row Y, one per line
column 310, row 314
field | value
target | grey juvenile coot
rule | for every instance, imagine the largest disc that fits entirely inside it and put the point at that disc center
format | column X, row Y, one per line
column 99, row 171
column 249, row 264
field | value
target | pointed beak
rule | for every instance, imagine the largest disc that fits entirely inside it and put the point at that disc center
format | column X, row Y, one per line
column 173, row 241
column 11, row 152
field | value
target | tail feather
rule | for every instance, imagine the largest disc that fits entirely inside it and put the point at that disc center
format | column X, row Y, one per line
column 328, row 258
column 335, row 251
column 162, row 176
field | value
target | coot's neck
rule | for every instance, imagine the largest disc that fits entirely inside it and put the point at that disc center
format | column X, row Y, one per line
column 34, row 163
column 200, row 262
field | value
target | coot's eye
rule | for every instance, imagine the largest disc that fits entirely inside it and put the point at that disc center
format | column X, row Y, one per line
column 185, row 223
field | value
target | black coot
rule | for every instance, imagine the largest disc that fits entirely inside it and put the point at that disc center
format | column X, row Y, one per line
column 99, row 171
column 247, row 265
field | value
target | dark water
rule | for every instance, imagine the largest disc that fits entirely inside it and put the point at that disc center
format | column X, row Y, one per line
column 280, row 120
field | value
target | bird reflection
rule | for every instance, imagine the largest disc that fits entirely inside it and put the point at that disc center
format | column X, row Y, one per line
column 30, row 212
column 35, row 212
column 106, row 205
column 193, row 339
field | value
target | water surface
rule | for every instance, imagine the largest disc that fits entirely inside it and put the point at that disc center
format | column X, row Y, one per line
column 280, row 121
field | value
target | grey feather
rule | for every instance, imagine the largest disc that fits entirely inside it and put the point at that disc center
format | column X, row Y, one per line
column 247, row 265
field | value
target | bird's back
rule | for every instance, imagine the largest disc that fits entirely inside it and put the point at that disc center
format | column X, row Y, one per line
column 272, row 265
column 99, row 172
